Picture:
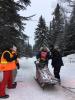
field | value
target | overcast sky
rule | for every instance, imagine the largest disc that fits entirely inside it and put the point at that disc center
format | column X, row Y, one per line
column 38, row 7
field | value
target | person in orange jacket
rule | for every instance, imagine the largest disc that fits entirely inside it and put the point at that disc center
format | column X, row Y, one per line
column 6, row 66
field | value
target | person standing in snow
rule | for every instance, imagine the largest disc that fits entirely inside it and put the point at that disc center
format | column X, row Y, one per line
column 14, row 72
column 56, row 61
column 7, row 65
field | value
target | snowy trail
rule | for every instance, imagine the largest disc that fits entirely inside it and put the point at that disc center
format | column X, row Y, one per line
column 29, row 89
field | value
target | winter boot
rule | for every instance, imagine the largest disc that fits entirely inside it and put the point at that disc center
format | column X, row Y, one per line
column 4, row 97
column 13, row 86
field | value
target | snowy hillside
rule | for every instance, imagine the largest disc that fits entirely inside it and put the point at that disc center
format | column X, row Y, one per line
column 29, row 89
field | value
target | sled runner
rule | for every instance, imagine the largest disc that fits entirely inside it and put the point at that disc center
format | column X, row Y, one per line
column 44, row 76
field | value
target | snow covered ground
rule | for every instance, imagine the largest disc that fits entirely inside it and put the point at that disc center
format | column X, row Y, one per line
column 29, row 89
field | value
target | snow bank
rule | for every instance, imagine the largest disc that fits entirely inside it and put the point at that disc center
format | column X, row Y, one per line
column 29, row 89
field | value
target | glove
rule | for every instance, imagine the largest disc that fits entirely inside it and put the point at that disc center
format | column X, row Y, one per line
column 15, row 56
column 18, row 66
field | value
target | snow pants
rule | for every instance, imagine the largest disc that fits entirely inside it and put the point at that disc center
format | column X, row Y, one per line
column 57, row 71
column 14, row 74
column 7, row 81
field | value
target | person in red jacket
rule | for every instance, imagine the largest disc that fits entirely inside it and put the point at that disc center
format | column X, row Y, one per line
column 6, row 66
column 42, row 57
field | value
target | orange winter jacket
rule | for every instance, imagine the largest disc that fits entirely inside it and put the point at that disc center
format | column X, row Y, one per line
column 5, row 65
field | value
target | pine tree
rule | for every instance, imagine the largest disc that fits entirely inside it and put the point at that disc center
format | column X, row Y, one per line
column 28, row 51
column 52, row 35
column 70, row 36
column 57, row 28
column 11, row 24
column 41, row 34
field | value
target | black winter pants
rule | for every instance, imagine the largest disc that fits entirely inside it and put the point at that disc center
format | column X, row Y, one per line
column 57, row 71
